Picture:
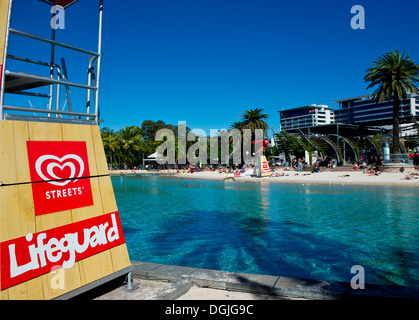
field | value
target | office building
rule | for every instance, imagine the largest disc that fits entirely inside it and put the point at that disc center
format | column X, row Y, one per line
column 307, row 116
column 363, row 110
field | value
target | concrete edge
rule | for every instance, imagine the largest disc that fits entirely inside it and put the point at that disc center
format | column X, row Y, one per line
column 94, row 284
column 176, row 290
column 266, row 284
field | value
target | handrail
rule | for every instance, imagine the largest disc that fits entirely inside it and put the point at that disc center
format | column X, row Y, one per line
column 69, row 113
column 314, row 146
column 397, row 158
column 330, row 143
column 49, row 80
column 350, row 143
column 31, row 36
column 46, row 64
column 32, row 94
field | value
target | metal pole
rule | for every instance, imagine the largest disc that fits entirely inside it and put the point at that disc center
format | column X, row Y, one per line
column 59, row 44
column 99, row 59
column 6, row 46
column 90, row 71
column 49, row 80
column 129, row 285
column 337, row 139
column 51, row 72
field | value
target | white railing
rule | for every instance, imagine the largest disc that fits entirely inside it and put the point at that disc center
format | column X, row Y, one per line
column 398, row 158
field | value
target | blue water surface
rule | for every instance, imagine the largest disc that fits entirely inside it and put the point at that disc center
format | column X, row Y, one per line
column 293, row 230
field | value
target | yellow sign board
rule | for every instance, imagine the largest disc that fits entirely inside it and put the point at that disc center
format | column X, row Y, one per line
column 53, row 241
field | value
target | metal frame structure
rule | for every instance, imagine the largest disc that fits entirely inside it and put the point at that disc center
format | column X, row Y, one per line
column 25, row 80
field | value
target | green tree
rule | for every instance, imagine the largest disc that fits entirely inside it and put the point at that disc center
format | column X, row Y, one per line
column 237, row 125
column 396, row 76
column 288, row 144
column 254, row 119
column 110, row 143
column 130, row 139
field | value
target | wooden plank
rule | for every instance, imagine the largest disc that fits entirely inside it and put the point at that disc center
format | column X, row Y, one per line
column 7, row 153
column 35, row 289
column 18, row 292
column 105, row 257
column 120, row 256
column 39, row 131
column 4, row 294
column 90, row 268
column 10, row 225
column 4, row 10
column 86, row 135
column 26, row 207
column 10, row 199
column 102, row 166
column 107, row 194
column 61, row 281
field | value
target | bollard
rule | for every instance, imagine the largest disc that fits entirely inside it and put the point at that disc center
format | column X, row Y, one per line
column 129, row 287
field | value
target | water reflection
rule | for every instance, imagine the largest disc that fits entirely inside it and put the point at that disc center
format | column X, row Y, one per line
column 291, row 230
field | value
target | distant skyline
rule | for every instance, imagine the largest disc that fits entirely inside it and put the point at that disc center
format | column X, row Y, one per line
column 206, row 61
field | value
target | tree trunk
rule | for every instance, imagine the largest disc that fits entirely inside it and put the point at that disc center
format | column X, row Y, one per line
column 396, row 129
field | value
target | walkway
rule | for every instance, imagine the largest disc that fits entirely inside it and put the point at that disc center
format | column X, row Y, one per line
column 167, row 282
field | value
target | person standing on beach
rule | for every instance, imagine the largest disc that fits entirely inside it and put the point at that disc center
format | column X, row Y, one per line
column 300, row 165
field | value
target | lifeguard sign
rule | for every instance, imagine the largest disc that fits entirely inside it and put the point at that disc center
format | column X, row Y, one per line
column 60, row 232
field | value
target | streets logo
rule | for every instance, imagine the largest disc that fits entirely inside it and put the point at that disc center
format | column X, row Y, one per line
column 59, row 171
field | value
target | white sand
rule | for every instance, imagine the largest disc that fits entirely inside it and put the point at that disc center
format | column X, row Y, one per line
column 349, row 177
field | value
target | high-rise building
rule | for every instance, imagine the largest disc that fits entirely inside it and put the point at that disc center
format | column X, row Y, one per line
column 307, row 116
column 364, row 110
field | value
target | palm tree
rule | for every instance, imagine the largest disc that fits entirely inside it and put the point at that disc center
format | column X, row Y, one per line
column 396, row 76
column 130, row 140
column 237, row 125
column 254, row 119
column 110, row 143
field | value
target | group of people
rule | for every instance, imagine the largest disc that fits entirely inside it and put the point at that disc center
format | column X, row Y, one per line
column 235, row 169
column 298, row 164
column 361, row 166
column 331, row 164
column 372, row 171
column 411, row 176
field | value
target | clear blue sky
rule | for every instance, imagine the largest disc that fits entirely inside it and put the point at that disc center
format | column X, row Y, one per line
column 205, row 61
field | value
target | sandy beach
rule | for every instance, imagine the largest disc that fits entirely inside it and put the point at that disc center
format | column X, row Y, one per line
column 326, row 177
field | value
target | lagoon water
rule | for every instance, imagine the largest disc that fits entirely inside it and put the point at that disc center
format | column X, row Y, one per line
column 293, row 230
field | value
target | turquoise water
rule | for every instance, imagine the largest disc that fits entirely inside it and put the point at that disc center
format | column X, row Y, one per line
column 315, row 232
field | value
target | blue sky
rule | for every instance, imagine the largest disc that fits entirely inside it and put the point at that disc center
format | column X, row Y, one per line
column 205, row 61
